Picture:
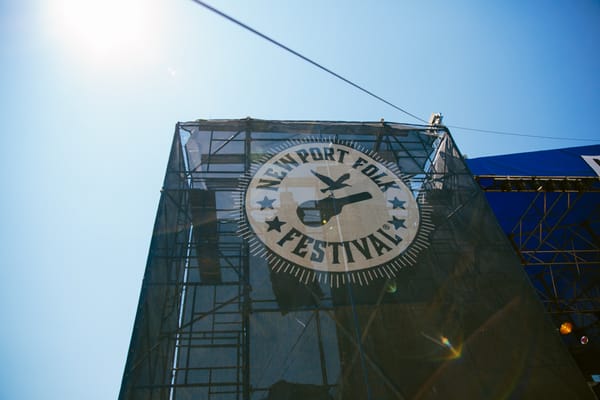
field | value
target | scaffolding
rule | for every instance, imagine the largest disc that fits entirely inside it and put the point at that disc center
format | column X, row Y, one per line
column 216, row 322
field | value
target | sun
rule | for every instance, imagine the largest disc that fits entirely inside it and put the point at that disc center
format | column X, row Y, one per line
column 104, row 32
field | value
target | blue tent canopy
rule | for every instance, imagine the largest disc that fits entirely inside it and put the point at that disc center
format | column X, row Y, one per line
column 557, row 162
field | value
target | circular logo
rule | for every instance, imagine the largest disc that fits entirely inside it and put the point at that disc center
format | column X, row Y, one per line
column 330, row 208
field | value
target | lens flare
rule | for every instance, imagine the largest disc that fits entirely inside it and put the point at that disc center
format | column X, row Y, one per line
column 445, row 342
column 391, row 287
column 566, row 328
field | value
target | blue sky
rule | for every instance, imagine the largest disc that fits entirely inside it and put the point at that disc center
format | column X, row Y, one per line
column 91, row 91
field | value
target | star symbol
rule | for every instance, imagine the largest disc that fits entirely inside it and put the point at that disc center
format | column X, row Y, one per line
column 266, row 203
column 397, row 203
column 275, row 224
column 398, row 223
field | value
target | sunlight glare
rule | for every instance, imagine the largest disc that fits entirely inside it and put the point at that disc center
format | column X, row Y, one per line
column 105, row 31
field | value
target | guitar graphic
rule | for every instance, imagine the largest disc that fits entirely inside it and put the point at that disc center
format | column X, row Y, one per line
column 319, row 212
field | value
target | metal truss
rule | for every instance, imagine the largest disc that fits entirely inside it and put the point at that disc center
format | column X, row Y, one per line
column 556, row 238
column 545, row 184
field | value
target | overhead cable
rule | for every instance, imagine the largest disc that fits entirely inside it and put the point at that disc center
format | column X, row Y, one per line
column 521, row 134
column 348, row 81
column 316, row 64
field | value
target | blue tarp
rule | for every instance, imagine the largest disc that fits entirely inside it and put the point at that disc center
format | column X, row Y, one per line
column 558, row 162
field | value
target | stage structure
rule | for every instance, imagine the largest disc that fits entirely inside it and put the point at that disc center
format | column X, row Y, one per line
column 334, row 260
column 548, row 204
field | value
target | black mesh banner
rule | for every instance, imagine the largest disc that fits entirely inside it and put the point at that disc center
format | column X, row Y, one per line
column 334, row 260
